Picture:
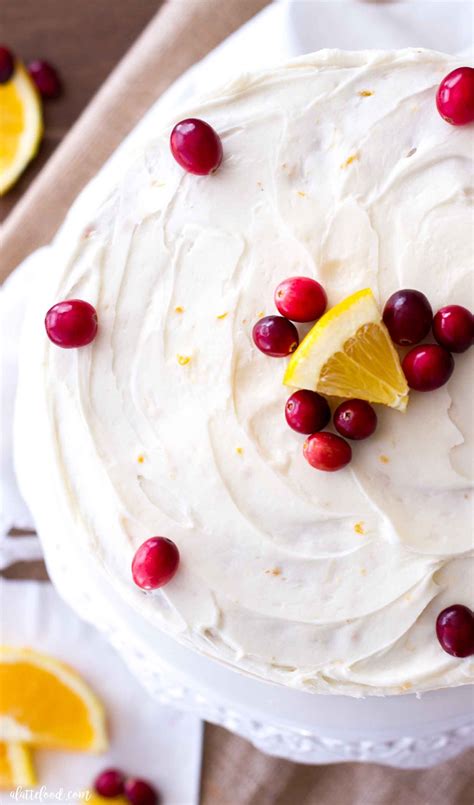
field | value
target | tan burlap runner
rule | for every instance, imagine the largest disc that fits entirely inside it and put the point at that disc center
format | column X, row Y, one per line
column 182, row 32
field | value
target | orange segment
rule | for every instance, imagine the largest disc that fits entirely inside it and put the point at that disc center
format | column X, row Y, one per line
column 16, row 765
column 347, row 373
column 46, row 703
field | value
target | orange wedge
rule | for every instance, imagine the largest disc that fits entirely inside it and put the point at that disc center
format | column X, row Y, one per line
column 349, row 353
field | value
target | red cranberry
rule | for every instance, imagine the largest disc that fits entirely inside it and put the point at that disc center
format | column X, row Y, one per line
column 110, row 783
column 407, row 316
column 7, row 64
column 455, row 630
column 72, row 323
column 46, row 78
column 307, row 412
column 326, row 451
column 196, row 146
column 355, row 419
column 301, row 299
column 139, row 792
column 453, row 328
column 275, row 336
column 155, row 563
column 455, row 96
column 428, row 367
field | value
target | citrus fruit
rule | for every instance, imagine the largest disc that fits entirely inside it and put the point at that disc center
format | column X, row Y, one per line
column 93, row 798
column 16, row 765
column 21, row 126
column 46, row 703
column 348, row 353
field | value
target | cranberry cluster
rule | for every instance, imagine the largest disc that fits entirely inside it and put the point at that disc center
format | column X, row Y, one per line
column 409, row 318
column 44, row 75
column 354, row 419
column 302, row 299
column 113, row 783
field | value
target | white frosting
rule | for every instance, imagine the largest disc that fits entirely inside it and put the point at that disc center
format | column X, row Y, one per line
column 327, row 582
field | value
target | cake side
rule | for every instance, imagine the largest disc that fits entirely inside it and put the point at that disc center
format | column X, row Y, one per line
column 336, row 167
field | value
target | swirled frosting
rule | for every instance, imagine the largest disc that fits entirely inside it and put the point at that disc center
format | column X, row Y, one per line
column 337, row 166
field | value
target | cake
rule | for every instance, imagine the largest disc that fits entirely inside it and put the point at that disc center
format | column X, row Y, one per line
column 337, row 166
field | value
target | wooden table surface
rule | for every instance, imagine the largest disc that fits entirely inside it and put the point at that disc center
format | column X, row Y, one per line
column 84, row 39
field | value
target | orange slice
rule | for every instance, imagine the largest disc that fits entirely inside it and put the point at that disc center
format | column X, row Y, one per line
column 16, row 765
column 21, row 126
column 46, row 703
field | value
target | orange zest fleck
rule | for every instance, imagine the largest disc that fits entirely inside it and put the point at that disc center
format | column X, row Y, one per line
column 183, row 359
column 179, row 309
column 384, row 459
column 222, row 315
column 365, row 93
column 359, row 528
column 352, row 158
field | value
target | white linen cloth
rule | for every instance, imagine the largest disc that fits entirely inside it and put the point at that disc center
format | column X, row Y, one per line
column 147, row 740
